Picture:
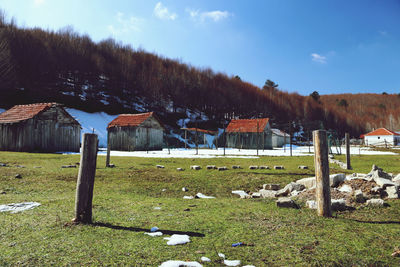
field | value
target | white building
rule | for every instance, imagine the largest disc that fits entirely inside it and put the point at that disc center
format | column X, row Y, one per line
column 279, row 138
column 382, row 137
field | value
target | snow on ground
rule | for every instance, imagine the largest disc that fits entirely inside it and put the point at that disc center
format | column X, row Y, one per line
column 236, row 153
column 176, row 239
column 97, row 121
column 2, row 110
column 172, row 263
column 18, row 207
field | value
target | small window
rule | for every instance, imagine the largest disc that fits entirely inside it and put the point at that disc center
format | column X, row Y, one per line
column 379, row 137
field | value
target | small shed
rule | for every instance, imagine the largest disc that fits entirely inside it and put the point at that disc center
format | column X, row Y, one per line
column 136, row 132
column 382, row 137
column 279, row 138
column 40, row 127
column 249, row 134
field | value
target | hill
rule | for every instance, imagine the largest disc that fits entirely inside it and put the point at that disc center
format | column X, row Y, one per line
column 63, row 66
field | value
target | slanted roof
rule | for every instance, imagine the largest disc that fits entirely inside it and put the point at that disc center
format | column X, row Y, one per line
column 131, row 120
column 199, row 130
column 381, row 131
column 278, row 132
column 247, row 125
column 20, row 113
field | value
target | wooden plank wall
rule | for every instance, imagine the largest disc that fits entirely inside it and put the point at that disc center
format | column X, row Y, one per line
column 249, row 140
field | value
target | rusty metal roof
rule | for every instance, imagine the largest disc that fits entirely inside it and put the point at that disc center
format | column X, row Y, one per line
column 20, row 113
column 247, row 125
column 381, row 131
column 125, row 120
column 199, row 130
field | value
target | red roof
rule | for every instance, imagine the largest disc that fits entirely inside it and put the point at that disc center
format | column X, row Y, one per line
column 381, row 131
column 199, row 130
column 247, row 126
column 24, row 112
column 124, row 120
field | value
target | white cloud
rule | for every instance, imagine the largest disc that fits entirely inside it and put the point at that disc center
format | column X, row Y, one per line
column 318, row 58
column 215, row 15
column 162, row 12
column 125, row 25
column 38, row 2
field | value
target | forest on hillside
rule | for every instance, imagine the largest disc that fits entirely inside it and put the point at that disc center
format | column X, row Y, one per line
column 66, row 67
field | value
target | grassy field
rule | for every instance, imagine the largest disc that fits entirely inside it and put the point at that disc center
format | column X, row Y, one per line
column 125, row 198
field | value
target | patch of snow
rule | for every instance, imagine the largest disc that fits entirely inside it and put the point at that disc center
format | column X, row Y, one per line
column 157, row 208
column 232, row 262
column 154, row 234
column 68, row 93
column 221, row 255
column 2, row 110
column 241, row 193
column 105, row 102
column 180, row 264
column 205, row 259
column 188, row 197
column 200, row 195
column 176, row 239
column 18, row 207
column 97, row 121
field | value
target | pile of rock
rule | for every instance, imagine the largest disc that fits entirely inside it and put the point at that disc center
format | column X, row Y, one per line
column 347, row 192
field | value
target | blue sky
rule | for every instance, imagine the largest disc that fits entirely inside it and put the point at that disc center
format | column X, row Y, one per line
column 342, row 46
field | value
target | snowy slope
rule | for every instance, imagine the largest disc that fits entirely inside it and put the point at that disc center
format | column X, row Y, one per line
column 2, row 110
column 97, row 121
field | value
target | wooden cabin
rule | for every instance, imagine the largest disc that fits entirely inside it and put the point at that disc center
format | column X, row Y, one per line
column 41, row 127
column 135, row 132
column 249, row 134
column 279, row 138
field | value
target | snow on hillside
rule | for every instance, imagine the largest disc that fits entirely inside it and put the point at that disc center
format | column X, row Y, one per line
column 2, row 110
column 97, row 121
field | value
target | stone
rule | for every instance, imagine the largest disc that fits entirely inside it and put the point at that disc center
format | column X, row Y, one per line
column 375, row 202
column 359, row 196
column 377, row 190
column 295, row 193
column 393, row 192
column 241, row 193
column 253, row 167
column 303, row 167
column 18, row 176
column 397, row 178
column 111, row 165
column 271, row 187
column 279, row 167
column 265, row 167
column 68, row 166
column 345, row 188
column 211, row 167
column 160, row 166
column 290, row 188
column 308, row 182
column 236, row 167
column 267, row 193
column 184, row 189
column 382, row 182
column 20, row 166
column 336, row 179
column 3, row 165
column 179, row 169
column 3, row 192
column 338, row 204
column 195, row 167
column 285, row 202
column 224, row 168
column 283, row 192
column 377, row 172
column 311, row 204
column 256, row 195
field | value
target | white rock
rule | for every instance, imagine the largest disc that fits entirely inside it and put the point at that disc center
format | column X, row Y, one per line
column 346, row 188
column 397, row 178
column 184, row 189
column 256, row 195
column 179, row 169
column 311, row 204
column 267, row 193
column 205, row 259
column 224, row 168
column 253, row 167
column 172, row 263
column 375, row 202
column 176, row 239
column 338, row 204
column 200, row 195
column 241, row 193
column 188, row 197
column 290, row 188
column 334, row 180
column 154, row 234
column 232, row 262
column 285, row 202
column 382, row 182
column 307, row 182
column 211, row 167
column 271, row 187
column 160, row 166
column 359, row 196
column 280, row 167
column 195, row 167
column 221, row 255
column 393, row 191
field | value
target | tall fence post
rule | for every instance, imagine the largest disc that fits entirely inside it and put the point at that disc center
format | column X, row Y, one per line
column 108, row 150
column 323, row 190
column 348, row 165
column 224, row 138
column 85, row 182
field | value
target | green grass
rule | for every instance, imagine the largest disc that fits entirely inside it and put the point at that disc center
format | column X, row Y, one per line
column 124, row 201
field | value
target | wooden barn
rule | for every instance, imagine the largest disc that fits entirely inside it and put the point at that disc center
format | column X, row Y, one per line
column 134, row 132
column 249, row 134
column 41, row 127
column 279, row 138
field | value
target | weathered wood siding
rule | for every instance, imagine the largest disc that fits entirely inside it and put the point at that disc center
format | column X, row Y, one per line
column 50, row 131
column 249, row 140
column 148, row 136
column 278, row 140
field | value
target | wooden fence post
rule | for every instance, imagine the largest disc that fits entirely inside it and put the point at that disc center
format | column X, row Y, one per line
column 323, row 189
column 348, row 165
column 258, row 136
column 224, row 139
column 108, row 150
column 85, row 182
column 185, row 138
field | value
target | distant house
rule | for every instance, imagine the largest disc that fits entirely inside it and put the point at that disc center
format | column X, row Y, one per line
column 41, row 127
column 382, row 137
column 249, row 134
column 279, row 138
column 134, row 132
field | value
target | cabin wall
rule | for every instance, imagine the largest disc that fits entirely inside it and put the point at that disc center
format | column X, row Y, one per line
column 249, row 140
column 379, row 140
column 278, row 140
column 50, row 131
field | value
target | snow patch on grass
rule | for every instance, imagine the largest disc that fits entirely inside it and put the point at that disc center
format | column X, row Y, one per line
column 176, row 239
column 18, row 207
column 180, row 264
